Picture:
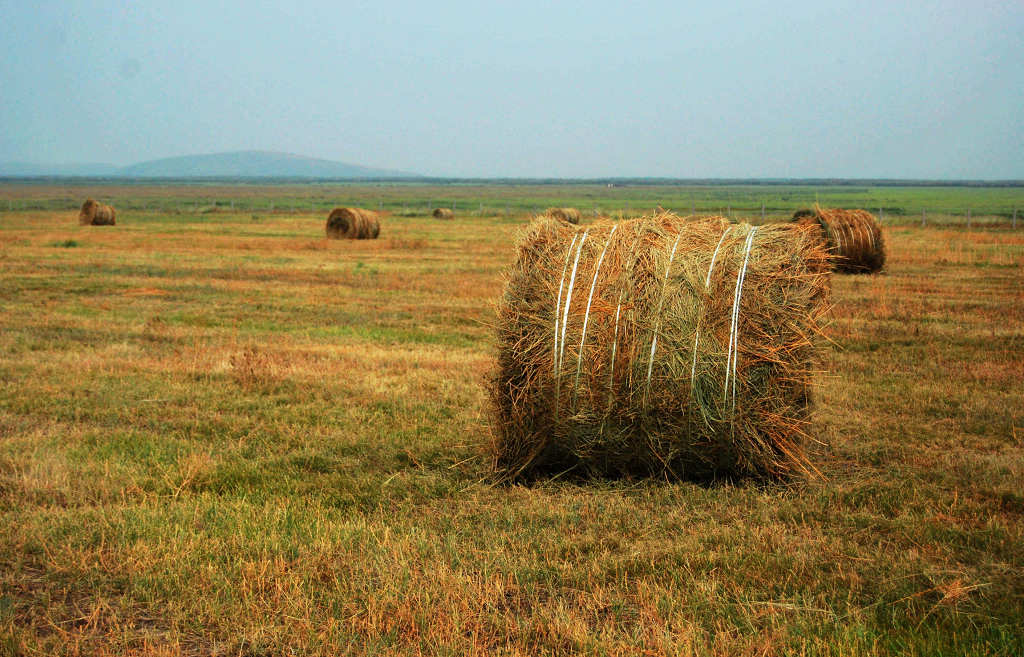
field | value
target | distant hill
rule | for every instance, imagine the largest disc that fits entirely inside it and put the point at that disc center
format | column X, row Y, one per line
column 238, row 164
column 252, row 164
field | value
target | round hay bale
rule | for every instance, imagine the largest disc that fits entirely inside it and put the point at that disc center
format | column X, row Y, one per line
column 658, row 346
column 854, row 238
column 353, row 224
column 94, row 213
column 570, row 215
column 443, row 213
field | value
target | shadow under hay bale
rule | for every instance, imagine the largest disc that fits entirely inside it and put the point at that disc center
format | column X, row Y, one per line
column 853, row 237
column 570, row 215
column 94, row 213
column 658, row 346
column 443, row 213
column 353, row 224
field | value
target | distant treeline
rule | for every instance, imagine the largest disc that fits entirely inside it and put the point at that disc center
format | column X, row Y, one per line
column 513, row 182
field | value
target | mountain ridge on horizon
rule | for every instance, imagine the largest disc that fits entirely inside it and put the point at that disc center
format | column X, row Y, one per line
column 226, row 164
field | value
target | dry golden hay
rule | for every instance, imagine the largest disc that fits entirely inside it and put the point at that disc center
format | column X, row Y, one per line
column 854, row 237
column 443, row 213
column 571, row 215
column 94, row 213
column 353, row 224
column 658, row 346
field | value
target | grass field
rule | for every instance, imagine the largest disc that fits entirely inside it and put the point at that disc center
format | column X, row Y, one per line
column 226, row 435
column 897, row 205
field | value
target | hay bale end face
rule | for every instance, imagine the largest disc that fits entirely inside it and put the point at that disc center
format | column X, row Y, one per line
column 94, row 213
column 569, row 215
column 853, row 237
column 443, row 213
column 353, row 224
column 658, row 346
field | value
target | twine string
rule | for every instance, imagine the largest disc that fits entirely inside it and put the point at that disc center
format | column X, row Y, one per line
column 565, row 318
column 615, row 343
column 732, row 356
column 590, row 299
column 558, row 302
column 700, row 313
column 615, row 334
column 657, row 325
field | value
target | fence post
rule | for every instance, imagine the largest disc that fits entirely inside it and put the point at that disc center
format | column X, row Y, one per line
column 762, row 211
column 481, row 209
column 455, row 203
column 879, row 215
column 922, row 218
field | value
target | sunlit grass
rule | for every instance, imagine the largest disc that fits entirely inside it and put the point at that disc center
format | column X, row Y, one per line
column 228, row 436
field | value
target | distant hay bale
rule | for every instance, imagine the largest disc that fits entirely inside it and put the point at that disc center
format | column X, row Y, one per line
column 443, row 213
column 353, row 224
column 94, row 213
column 570, row 215
column 658, row 346
column 854, row 237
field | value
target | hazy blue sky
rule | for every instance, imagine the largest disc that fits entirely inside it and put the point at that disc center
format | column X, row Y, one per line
column 749, row 89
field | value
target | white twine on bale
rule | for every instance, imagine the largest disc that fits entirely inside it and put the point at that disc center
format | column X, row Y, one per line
column 565, row 317
column 839, row 238
column 590, row 299
column 615, row 343
column 700, row 314
column 558, row 302
column 568, row 299
column 615, row 334
column 657, row 325
column 863, row 232
column 869, row 228
column 733, row 353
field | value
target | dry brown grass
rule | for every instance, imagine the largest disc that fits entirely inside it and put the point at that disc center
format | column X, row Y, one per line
column 324, row 495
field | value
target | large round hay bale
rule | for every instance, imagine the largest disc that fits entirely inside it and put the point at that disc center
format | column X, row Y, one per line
column 443, row 213
column 658, row 346
column 353, row 224
column 570, row 215
column 94, row 213
column 854, row 237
